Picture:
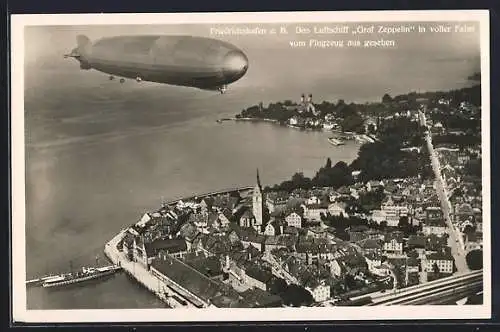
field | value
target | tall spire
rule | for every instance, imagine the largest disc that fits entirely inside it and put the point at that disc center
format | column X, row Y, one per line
column 258, row 179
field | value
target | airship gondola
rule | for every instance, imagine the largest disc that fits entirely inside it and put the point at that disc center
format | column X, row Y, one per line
column 198, row 62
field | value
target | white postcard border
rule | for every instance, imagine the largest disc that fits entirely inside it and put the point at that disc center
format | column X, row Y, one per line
column 19, row 310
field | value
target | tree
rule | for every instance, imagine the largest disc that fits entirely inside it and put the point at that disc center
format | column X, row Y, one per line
column 277, row 286
column 474, row 259
column 404, row 225
column 412, row 254
column 371, row 128
column 469, row 229
column 386, row 98
column 473, row 167
column 297, row 296
column 435, row 268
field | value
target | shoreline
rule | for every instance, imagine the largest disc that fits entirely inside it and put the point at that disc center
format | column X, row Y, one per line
column 335, row 131
column 360, row 138
column 144, row 277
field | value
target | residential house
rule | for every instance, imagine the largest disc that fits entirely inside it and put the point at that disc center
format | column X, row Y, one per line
column 417, row 243
column 378, row 216
column 337, row 209
column 247, row 219
column 189, row 232
column 357, row 233
column 145, row 252
column 393, row 244
column 273, row 228
column 335, row 268
column 435, row 243
column 316, row 232
column 374, row 234
column 320, row 291
column 374, row 185
column 128, row 246
column 434, row 213
column 444, row 262
column 315, row 211
column 434, row 226
column 276, row 201
column 370, row 246
column 313, row 200
column 373, row 261
column 257, row 276
column 382, row 270
column 294, row 220
column 473, row 241
column 393, row 212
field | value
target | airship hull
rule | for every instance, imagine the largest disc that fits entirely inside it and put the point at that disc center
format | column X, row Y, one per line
column 178, row 60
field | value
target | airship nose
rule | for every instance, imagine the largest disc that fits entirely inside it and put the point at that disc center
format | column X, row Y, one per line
column 235, row 65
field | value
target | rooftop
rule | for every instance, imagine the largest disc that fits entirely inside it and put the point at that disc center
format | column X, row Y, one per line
column 257, row 298
column 190, row 279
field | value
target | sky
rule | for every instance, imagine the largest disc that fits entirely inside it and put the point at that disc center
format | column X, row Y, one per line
column 273, row 62
column 47, row 40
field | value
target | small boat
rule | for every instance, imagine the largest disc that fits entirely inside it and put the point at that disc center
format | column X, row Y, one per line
column 86, row 273
column 335, row 141
column 223, row 119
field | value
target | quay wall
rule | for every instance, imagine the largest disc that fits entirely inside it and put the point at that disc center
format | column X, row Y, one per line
column 213, row 193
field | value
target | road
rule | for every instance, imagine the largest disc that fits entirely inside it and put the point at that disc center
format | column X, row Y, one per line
column 455, row 240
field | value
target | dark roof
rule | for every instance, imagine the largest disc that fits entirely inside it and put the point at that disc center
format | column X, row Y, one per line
column 209, row 266
column 440, row 256
column 416, row 241
column 394, row 235
column 168, row 245
column 370, row 244
column 189, row 278
column 189, row 231
column 434, row 242
column 259, row 273
column 412, row 261
column 358, row 228
column 320, row 206
column 216, row 244
column 278, row 196
column 473, row 237
column 257, row 298
column 128, row 240
column 290, row 230
column 209, row 201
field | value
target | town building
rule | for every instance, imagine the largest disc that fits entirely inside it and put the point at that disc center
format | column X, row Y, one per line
column 393, row 244
column 443, row 261
column 319, row 292
column 276, row 201
column 294, row 220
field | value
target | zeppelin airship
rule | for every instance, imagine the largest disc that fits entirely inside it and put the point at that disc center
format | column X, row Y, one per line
column 198, row 62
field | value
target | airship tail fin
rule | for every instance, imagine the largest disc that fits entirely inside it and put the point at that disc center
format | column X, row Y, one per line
column 81, row 51
column 83, row 43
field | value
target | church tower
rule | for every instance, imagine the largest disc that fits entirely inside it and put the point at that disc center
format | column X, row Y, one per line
column 258, row 203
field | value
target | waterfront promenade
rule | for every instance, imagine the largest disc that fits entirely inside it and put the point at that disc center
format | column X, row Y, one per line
column 140, row 273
